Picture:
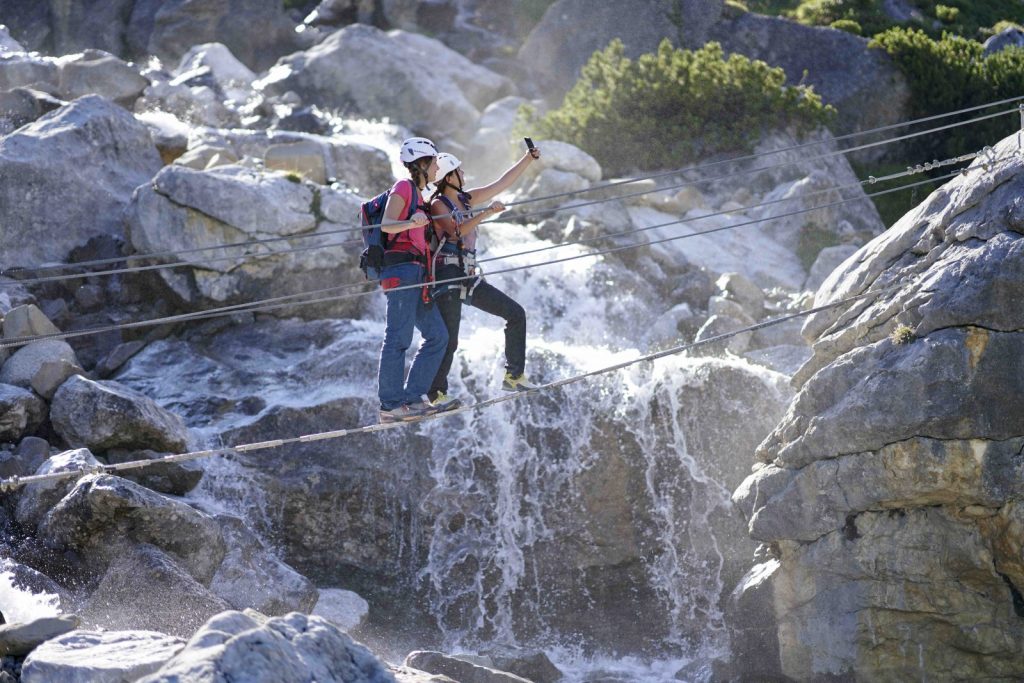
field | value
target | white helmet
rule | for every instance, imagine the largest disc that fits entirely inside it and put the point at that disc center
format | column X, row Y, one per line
column 417, row 148
column 446, row 163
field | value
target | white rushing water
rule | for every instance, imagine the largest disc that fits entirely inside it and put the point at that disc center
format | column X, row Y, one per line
column 18, row 604
column 581, row 521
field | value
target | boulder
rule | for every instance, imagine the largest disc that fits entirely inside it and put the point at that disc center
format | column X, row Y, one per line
column 104, row 414
column 296, row 647
column 174, row 478
column 170, row 134
column 750, row 618
column 203, row 157
column 20, row 639
column 26, row 458
column 556, row 62
column 839, row 65
column 1012, row 36
column 251, row 576
column 169, row 30
column 183, row 209
column 99, row 656
column 26, row 70
column 493, row 148
column 344, row 608
column 51, row 375
column 334, row 73
column 21, row 412
column 103, row 512
column 720, row 324
column 28, row 360
column 37, row 499
column 20, row 106
column 46, row 158
column 458, row 669
column 95, row 72
column 305, row 159
column 234, row 78
column 117, row 357
column 144, row 588
column 198, row 104
column 739, row 288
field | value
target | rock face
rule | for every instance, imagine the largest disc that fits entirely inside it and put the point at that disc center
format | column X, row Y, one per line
column 91, row 154
column 185, row 209
column 336, row 74
column 556, row 62
column 838, row 64
column 892, row 487
column 239, row 647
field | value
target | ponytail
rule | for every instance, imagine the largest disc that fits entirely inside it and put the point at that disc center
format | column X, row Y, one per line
column 418, row 172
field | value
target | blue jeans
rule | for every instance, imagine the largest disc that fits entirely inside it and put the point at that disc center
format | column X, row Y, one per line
column 405, row 311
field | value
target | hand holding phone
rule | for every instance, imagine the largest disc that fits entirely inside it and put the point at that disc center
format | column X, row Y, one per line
column 534, row 152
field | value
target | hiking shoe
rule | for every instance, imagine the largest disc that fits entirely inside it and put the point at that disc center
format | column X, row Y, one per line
column 519, row 383
column 443, row 402
column 406, row 413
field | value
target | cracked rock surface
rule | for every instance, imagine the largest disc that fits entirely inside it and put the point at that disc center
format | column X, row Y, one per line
column 891, row 490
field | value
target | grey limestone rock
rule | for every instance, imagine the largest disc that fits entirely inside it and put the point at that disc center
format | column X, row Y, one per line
column 21, row 639
column 104, row 414
column 46, row 158
column 107, row 656
column 287, row 649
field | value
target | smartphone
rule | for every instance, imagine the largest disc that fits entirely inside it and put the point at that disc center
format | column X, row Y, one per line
column 529, row 144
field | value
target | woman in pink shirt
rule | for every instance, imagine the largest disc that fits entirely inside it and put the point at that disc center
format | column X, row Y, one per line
column 405, row 266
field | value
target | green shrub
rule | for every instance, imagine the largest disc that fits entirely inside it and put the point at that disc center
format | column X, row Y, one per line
column 673, row 107
column 950, row 73
column 848, row 25
column 947, row 14
column 866, row 13
column 902, row 334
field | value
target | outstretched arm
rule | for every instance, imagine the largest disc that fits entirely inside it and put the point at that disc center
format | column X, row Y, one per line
column 482, row 195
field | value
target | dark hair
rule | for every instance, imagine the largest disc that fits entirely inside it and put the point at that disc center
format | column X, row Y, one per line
column 444, row 184
column 418, row 171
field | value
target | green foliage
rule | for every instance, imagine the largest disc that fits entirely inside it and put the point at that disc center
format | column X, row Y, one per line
column 902, row 334
column 673, row 107
column 950, row 73
column 969, row 18
column 293, row 176
column 848, row 25
column 867, row 14
column 947, row 14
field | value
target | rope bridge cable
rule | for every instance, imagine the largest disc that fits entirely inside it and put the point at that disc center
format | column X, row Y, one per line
column 271, row 253
column 915, row 170
column 261, row 306
column 13, row 483
column 281, row 252
column 351, row 229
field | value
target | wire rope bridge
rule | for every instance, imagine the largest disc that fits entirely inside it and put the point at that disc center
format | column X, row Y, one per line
column 343, row 291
